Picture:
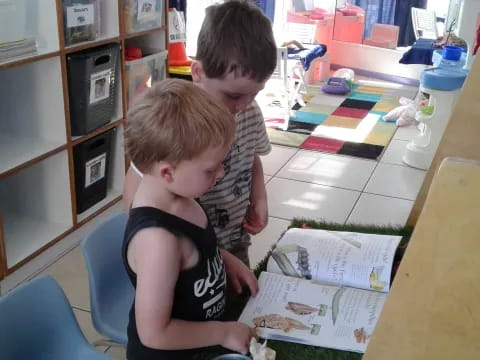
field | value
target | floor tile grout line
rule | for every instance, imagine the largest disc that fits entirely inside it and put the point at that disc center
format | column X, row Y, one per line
column 362, row 191
column 389, row 196
column 315, row 183
column 284, row 164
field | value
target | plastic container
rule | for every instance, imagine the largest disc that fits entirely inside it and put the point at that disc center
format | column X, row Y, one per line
column 141, row 74
column 81, row 19
column 12, row 20
column 142, row 15
column 449, row 74
column 451, row 52
column 437, row 59
column 91, row 160
column 92, row 87
column 442, row 84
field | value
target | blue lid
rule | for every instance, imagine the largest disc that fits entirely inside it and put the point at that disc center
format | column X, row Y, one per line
column 452, row 52
column 443, row 78
column 437, row 59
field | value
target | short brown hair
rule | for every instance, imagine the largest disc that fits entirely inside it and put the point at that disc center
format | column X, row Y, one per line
column 175, row 120
column 236, row 36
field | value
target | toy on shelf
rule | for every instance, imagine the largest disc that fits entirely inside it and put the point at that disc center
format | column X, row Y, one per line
column 405, row 113
column 336, row 85
column 340, row 83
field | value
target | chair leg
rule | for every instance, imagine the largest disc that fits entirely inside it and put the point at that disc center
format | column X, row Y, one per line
column 107, row 342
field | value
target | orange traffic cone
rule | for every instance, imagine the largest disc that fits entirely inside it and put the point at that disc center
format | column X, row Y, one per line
column 177, row 55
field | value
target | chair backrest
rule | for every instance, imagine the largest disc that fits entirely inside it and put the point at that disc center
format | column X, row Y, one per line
column 424, row 23
column 110, row 287
column 37, row 322
column 385, row 32
column 303, row 32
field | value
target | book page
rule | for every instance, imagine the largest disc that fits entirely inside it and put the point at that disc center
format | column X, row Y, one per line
column 336, row 257
column 298, row 310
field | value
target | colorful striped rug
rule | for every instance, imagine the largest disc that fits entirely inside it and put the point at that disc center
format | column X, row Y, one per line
column 349, row 124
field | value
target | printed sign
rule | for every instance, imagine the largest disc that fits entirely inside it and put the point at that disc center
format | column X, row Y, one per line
column 100, row 86
column 95, row 169
column 146, row 10
column 176, row 26
column 80, row 15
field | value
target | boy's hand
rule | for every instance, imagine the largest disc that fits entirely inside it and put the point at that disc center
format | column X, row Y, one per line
column 257, row 217
column 239, row 274
column 237, row 337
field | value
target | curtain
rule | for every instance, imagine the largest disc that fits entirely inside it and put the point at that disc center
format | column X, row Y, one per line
column 180, row 5
column 268, row 7
column 403, row 19
column 376, row 12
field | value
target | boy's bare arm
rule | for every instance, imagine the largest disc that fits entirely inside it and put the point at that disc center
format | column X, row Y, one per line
column 132, row 181
column 238, row 273
column 157, row 259
column 257, row 213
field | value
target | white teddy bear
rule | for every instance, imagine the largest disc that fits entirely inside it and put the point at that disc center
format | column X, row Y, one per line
column 405, row 114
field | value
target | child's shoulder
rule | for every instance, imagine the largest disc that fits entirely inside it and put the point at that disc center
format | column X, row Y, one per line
column 252, row 112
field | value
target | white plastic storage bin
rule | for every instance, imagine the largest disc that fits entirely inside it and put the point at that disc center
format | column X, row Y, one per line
column 81, row 19
column 144, row 72
column 143, row 15
column 36, row 207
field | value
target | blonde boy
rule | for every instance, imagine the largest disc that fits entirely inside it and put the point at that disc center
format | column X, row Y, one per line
column 178, row 137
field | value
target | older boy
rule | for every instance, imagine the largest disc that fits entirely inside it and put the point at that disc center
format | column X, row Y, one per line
column 236, row 55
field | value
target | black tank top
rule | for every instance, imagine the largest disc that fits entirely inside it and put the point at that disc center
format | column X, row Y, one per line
column 200, row 291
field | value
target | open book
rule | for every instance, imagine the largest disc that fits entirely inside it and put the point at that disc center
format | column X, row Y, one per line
column 323, row 288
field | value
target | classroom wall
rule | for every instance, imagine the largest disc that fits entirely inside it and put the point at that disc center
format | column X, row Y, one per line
column 373, row 59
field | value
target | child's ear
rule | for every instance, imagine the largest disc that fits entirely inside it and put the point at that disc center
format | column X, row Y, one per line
column 197, row 71
column 164, row 170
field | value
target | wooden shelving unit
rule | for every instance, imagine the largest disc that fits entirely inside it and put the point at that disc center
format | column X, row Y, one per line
column 37, row 174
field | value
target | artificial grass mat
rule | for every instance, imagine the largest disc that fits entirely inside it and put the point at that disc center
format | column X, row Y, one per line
column 293, row 351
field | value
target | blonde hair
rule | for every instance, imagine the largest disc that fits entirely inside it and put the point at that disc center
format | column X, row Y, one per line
column 175, row 120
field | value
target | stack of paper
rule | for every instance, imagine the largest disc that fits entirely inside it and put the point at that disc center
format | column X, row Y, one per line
column 17, row 48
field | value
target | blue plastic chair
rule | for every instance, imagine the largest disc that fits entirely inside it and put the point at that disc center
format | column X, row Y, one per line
column 111, row 293
column 37, row 323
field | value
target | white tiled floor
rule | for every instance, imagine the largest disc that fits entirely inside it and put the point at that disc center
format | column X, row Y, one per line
column 299, row 184
column 396, row 181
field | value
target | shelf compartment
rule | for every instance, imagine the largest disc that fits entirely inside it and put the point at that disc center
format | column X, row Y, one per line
column 33, row 117
column 117, row 113
column 141, row 15
column 35, row 207
column 23, row 19
column 116, row 175
column 103, row 14
column 92, row 87
column 141, row 74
